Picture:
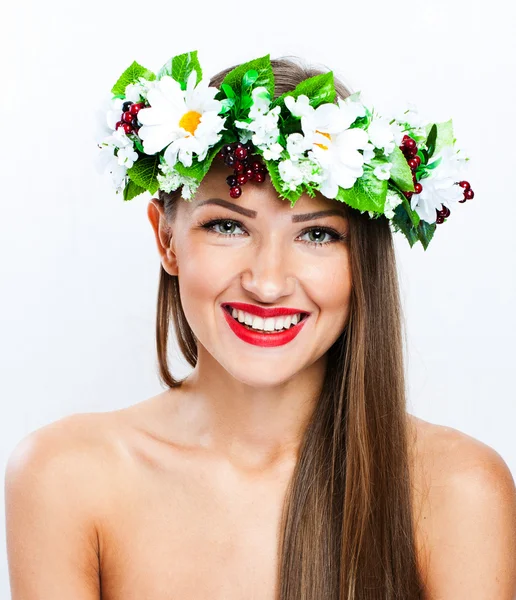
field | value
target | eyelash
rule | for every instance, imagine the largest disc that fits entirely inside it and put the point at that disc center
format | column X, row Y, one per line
column 208, row 225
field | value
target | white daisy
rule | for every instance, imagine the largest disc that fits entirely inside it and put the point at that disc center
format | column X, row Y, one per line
column 334, row 145
column 185, row 122
column 441, row 186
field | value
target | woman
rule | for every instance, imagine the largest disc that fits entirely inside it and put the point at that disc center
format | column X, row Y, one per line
column 284, row 469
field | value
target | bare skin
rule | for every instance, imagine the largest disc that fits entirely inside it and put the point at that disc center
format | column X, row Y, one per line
column 152, row 516
column 179, row 497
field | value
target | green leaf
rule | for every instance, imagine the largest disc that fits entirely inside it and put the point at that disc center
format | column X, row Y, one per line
column 199, row 169
column 401, row 173
column 144, row 173
column 277, row 182
column 431, row 139
column 412, row 214
column 426, row 232
column 444, row 135
column 368, row 193
column 434, row 164
column 131, row 75
column 249, row 78
column 265, row 75
column 132, row 190
column 228, row 90
column 319, row 89
column 401, row 222
column 179, row 67
column 227, row 105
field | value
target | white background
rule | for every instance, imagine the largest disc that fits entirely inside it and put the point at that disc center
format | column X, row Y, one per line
column 79, row 267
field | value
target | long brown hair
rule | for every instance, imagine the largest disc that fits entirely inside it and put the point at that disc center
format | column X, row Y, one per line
column 348, row 528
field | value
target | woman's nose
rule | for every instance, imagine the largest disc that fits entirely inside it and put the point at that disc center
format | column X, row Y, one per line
column 268, row 274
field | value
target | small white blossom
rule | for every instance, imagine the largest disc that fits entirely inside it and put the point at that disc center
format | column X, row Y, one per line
column 171, row 180
column 391, row 202
column 441, row 186
column 381, row 134
column 262, row 129
column 383, row 171
column 304, row 170
column 134, row 92
column 297, row 145
column 116, row 166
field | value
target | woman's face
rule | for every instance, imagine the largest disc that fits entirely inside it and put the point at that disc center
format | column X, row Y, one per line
column 269, row 261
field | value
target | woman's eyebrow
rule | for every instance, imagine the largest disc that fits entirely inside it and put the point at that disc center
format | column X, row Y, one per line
column 252, row 213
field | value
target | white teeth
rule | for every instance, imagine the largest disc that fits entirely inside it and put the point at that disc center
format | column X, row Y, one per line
column 268, row 324
column 257, row 323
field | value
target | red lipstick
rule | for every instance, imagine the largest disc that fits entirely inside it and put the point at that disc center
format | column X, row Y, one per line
column 265, row 313
column 256, row 337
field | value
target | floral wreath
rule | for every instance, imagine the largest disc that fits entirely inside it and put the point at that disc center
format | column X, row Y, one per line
column 164, row 131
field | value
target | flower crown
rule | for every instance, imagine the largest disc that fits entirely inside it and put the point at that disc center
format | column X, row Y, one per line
column 165, row 130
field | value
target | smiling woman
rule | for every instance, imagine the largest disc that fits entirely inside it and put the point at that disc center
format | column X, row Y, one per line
column 285, row 465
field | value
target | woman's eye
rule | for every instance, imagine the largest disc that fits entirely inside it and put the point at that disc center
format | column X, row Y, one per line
column 316, row 235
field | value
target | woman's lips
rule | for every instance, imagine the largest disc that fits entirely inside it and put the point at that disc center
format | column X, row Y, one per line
column 257, row 338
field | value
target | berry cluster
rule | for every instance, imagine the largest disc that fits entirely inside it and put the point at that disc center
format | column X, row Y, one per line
column 246, row 166
column 129, row 120
column 409, row 149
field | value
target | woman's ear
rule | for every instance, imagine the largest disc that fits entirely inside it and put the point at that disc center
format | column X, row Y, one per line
column 163, row 235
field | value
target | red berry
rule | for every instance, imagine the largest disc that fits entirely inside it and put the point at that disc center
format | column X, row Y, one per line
column 127, row 127
column 241, row 179
column 241, row 152
column 418, row 187
column 469, row 194
column 259, row 177
column 235, row 191
column 413, row 164
column 447, row 212
column 134, row 109
column 409, row 143
column 119, row 124
column 239, row 166
column 439, row 219
column 417, row 159
column 256, row 166
column 464, row 184
column 127, row 117
column 249, row 172
column 408, row 194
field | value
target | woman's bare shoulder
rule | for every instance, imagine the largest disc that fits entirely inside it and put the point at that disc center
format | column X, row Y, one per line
column 466, row 514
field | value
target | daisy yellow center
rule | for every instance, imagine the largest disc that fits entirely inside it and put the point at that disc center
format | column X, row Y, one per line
column 190, row 120
column 327, row 135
